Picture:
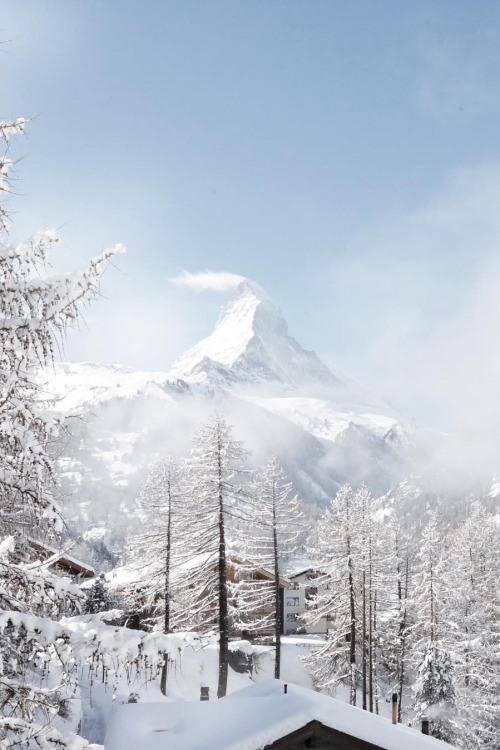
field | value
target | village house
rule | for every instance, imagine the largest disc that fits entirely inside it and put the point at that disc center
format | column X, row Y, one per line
column 239, row 569
column 303, row 588
column 269, row 715
column 60, row 561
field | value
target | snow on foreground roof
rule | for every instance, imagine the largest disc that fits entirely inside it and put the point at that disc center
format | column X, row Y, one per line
column 250, row 719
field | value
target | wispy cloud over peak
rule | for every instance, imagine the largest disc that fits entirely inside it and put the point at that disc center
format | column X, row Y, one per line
column 216, row 281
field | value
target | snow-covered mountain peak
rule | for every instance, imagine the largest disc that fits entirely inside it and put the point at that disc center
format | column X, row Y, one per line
column 250, row 344
column 251, row 312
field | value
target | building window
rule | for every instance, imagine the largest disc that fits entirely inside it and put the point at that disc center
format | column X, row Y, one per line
column 295, row 586
column 292, row 617
column 292, row 601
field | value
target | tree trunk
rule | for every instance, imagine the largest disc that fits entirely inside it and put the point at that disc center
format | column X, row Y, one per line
column 278, row 620
column 402, row 636
column 363, row 642
column 375, row 680
column 166, row 628
column 370, row 629
column 223, row 607
column 166, row 625
column 433, row 607
column 352, row 644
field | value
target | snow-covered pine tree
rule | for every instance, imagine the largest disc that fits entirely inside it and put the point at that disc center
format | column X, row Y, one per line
column 393, row 624
column 98, row 599
column 429, row 583
column 472, row 611
column 375, row 556
column 435, row 691
column 36, row 309
column 363, row 548
column 153, row 551
column 271, row 540
column 371, row 559
column 434, row 688
column 332, row 549
column 214, row 464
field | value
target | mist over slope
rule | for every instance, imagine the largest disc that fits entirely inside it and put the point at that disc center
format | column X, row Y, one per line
column 324, row 427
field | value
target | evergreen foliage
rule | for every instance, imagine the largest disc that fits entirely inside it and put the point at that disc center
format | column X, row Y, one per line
column 333, row 551
column 36, row 309
column 98, row 599
column 215, row 498
column 435, row 692
column 156, row 550
column 270, row 541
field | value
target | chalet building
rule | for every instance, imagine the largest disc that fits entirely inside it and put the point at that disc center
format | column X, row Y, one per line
column 62, row 563
column 269, row 715
column 303, row 587
column 239, row 570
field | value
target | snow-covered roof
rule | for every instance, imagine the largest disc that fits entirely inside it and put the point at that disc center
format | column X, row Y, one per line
column 301, row 572
column 251, row 719
column 235, row 561
column 77, row 567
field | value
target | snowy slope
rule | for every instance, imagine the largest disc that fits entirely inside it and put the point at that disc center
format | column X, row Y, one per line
column 324, row 419
column 76, row 388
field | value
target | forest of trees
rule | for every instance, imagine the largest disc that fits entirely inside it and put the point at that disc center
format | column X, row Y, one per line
column 201, row 516
column 411, row 611
column 414, row 613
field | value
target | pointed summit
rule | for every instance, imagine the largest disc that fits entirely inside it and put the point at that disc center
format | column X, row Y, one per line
column 250, row 344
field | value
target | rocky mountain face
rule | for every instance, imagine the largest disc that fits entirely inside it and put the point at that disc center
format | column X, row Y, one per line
column 250, row 344
column 325, row 428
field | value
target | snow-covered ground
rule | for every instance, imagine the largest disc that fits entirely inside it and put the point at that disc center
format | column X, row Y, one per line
column 130, row 664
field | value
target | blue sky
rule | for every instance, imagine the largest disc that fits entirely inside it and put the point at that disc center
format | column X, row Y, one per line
column 345, row 155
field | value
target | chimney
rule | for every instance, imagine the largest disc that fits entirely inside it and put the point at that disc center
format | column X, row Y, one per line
column 394, row 708
column 204, row 693
column 425, row 725
column 285, row 688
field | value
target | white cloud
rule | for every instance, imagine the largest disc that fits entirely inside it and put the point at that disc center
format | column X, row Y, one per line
column 217, row 281
column 422, row 295
column 431, row 281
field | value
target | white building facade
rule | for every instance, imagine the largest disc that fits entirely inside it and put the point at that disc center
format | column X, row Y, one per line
column 296, row 599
